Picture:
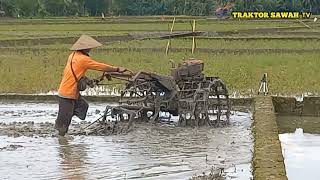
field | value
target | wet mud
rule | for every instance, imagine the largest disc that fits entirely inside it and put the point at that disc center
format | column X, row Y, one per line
column 31, row 129
column 161, row 151
column 10, row 147
column 156, row 152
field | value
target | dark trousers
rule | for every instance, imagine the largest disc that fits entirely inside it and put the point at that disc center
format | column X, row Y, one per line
column 67, row 109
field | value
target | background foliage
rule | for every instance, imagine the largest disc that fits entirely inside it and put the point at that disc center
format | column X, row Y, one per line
column 41, row 8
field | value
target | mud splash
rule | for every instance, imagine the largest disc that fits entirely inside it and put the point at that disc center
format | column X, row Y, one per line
column 10, row 147
column 149, row 152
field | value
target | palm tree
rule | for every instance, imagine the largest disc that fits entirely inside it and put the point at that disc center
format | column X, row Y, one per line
column 310, row 4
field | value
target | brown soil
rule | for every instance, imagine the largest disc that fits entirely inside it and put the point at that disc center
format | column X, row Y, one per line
column 11, row 147
column 31, row 129
column 268, row 162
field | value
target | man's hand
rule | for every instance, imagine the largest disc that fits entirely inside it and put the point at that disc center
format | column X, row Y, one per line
column 122, row 69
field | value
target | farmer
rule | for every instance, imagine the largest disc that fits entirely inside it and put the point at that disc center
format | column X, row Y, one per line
column 70, row 101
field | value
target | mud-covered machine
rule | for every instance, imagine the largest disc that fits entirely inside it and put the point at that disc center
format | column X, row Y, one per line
column 196, row 100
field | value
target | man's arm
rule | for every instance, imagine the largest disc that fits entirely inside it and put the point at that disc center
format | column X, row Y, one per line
column 94, row 65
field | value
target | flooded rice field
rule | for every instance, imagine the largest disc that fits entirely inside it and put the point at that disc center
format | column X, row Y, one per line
column 148, row 152
column 301, row 155
column 300, row 141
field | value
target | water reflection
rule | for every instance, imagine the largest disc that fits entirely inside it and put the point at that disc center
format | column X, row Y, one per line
column 301, row 155
column 161, row 152
column 73, row 157
column 150, row 152
column 41, row 112
column 288, row 124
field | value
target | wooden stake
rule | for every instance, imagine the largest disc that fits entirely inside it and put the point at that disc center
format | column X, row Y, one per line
column 193, row 38
column 306, row 25
column 169, row 41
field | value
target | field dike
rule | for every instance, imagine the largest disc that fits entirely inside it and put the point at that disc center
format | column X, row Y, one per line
column 268, row 162
column 104, row 39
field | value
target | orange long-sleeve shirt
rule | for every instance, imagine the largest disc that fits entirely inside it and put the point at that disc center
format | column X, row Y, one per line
column 80, row 64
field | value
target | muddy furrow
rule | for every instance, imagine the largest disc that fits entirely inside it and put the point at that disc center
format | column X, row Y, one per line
column 31, row 129
column 105, row 39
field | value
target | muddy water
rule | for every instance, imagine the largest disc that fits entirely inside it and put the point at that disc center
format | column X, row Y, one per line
column 309, row 124
column 40, row 112
column 300, row 141
column 301, row 155
column 149, row 152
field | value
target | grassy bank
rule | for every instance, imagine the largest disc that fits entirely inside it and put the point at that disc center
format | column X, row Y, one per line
column 40, row 71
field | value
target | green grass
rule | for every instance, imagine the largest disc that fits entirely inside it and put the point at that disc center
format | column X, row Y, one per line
column 38, row 68
column 40, row 71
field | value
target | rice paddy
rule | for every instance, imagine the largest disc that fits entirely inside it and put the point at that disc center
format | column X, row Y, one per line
column 35, row 67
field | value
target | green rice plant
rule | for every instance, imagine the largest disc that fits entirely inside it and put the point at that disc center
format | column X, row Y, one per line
column 40, row 71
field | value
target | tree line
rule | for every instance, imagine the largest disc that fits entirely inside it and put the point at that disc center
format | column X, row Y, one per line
column 42, row 8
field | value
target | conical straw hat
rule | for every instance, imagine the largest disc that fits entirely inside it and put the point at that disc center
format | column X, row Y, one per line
column 85, row 42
